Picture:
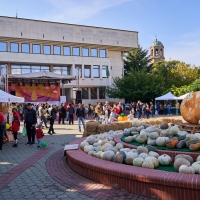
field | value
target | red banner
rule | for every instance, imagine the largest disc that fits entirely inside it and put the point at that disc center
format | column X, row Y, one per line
column 36, row 93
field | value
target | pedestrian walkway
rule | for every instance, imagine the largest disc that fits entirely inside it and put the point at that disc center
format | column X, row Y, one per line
column 30, row 173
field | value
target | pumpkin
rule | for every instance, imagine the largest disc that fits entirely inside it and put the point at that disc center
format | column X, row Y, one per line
column 111, row 149
column 161, row 141
column 129, row 139
column 186, row 170
column 181, row 144
column 132, row 155
column 182, row 137
column 143, row 155
column 164, row 125
column 180, row 161
column 163, row 132
column 134, row 133
column 192, row 136
column 144, row 132
column 119, row 146
column 139, row 128
column 138, row 162
column 189, row 107
column 197, row 135
column 194, row 147
column 194, row 141
column 153, row 160
column 154, row 154
column 198, row 158
column 151, row 142
column 187, row 157
column 150, row 129
column 125, row 149
column 88, row 148
column 148, row 164
column 174, row 130
column 153, row 135
column 196, row 166
column 128, row 161
column 108, row 155
column 83, row 144
column 91, row 153
column 151, row 148
column 96, row 144
column 126, row 132
column 165, row 159
column 119, row 157
column 168, row 135
column 136, row 123
column 171, row 143
column 182, row 133
column 142, row 149
column 101, row 155
column 122, row 117
column 141, row 139
column 145, row 125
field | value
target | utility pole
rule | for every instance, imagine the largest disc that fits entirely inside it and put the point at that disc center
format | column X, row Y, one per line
column 78, row 78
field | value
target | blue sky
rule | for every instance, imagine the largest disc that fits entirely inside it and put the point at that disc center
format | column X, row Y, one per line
column 175, row 22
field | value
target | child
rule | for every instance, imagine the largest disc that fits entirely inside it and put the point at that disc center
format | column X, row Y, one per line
column 15, row 128
column 106, row 114
column 130, row 116
column 113, row 116
column 39, row 135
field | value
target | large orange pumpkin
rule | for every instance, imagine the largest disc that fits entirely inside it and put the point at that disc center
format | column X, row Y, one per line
column 190, row 108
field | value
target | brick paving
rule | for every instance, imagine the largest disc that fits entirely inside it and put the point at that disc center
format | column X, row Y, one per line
column 30, row 173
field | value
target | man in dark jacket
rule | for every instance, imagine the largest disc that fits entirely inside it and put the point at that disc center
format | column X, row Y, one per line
column 70, row 110
column 52, row 119
column 62, row 113
column 30, row 121
column 80, row 113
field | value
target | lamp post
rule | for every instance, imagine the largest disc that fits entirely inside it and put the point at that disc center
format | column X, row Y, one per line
column 78, row 78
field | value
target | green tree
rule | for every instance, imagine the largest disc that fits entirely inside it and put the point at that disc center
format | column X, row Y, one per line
column 137, row 59
column 136, row 85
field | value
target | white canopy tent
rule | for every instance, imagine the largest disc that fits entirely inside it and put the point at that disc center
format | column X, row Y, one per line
column 183, row 96
column 6, row 98
column 168, row 96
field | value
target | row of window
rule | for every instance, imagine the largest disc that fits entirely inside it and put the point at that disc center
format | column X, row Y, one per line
column 101, row 94
column 67, row 51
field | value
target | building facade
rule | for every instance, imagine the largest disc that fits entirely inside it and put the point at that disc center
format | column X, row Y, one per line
column 157, row 51
column 28, row 46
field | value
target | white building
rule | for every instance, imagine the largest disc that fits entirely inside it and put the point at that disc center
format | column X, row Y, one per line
column 28, row 46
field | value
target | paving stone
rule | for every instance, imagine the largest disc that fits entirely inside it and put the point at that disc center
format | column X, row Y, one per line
column 40, row 196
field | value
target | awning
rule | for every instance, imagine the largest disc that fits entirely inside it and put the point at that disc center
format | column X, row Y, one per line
column 183, row 96
column 6, row 97
column 168, row 96
column 40, row 76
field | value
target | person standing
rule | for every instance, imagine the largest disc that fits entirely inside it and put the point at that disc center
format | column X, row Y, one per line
column 39, row 135
column 106, row 114
column 139, row 109
column 30, row 121
column 2, row 129
column 152, row 109
column 98, row 112
column 15, row 128
column 20, row 111
column 62, row 113
column 70, row 110
column 80, row 113
column 169, row 109
column 52, row 118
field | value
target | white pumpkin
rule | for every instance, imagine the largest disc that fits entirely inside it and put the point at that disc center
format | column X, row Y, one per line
column 150, row 129
column 119, row 146
column 129, row 139
column 153, row 135
column 138, row 162
column 174, row 130
column 153, row 160
column 108, row 155
column 134, row 150
column 88, row 148
column 191, row 136
column 165, row 159
column 91, row 153
column 143, row 155
column 148, row 164
column 132, row 155
column 91, row 139
column 126, row 132
column 182, row 133
column 154, row 154
column 83, row 144
column 136, row 123
column 180, row 161
column 151, row 142
column 143, row 132
column 141, row 139
column 163, row 132
column 139, row 128
column 125, row 149
column 161, row 141
column 112, row 149
column 101, row 155
column 96, row 144
column 132, row 129
column 186, row 169
column 196, row 166
column 142, row 149
column 198, row 158
column 197, row 135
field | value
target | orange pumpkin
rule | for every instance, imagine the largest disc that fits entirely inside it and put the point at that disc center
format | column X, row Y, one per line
column 120, row 118
column 190, row 107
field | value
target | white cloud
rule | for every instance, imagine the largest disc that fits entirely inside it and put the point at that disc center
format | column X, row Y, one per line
column 74, row 11
column 185, row 48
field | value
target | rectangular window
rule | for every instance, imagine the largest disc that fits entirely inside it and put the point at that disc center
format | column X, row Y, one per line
column 66, row 51
column 93, row 93
column 87, row 71
column 85, row 52
column 36, row 48
column 102, row 53
column 96, row 72
column 94, row 53
column 3, row 69
column 78, row 70
column 76, row 51
column 62, row 70
column 14, row 47
column 15, row 69
column 3, row 46
column 102, row 93
column 25, row 69
column 45, row 68
column 104, row 71
column 85, row 94
column 35, row 69
column 56, row 50
column 25, row 48
column 46, row 49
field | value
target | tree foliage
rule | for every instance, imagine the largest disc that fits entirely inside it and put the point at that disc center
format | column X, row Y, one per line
column 137, row 59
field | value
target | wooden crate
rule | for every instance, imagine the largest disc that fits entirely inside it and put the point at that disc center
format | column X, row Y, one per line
column 191, row 128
